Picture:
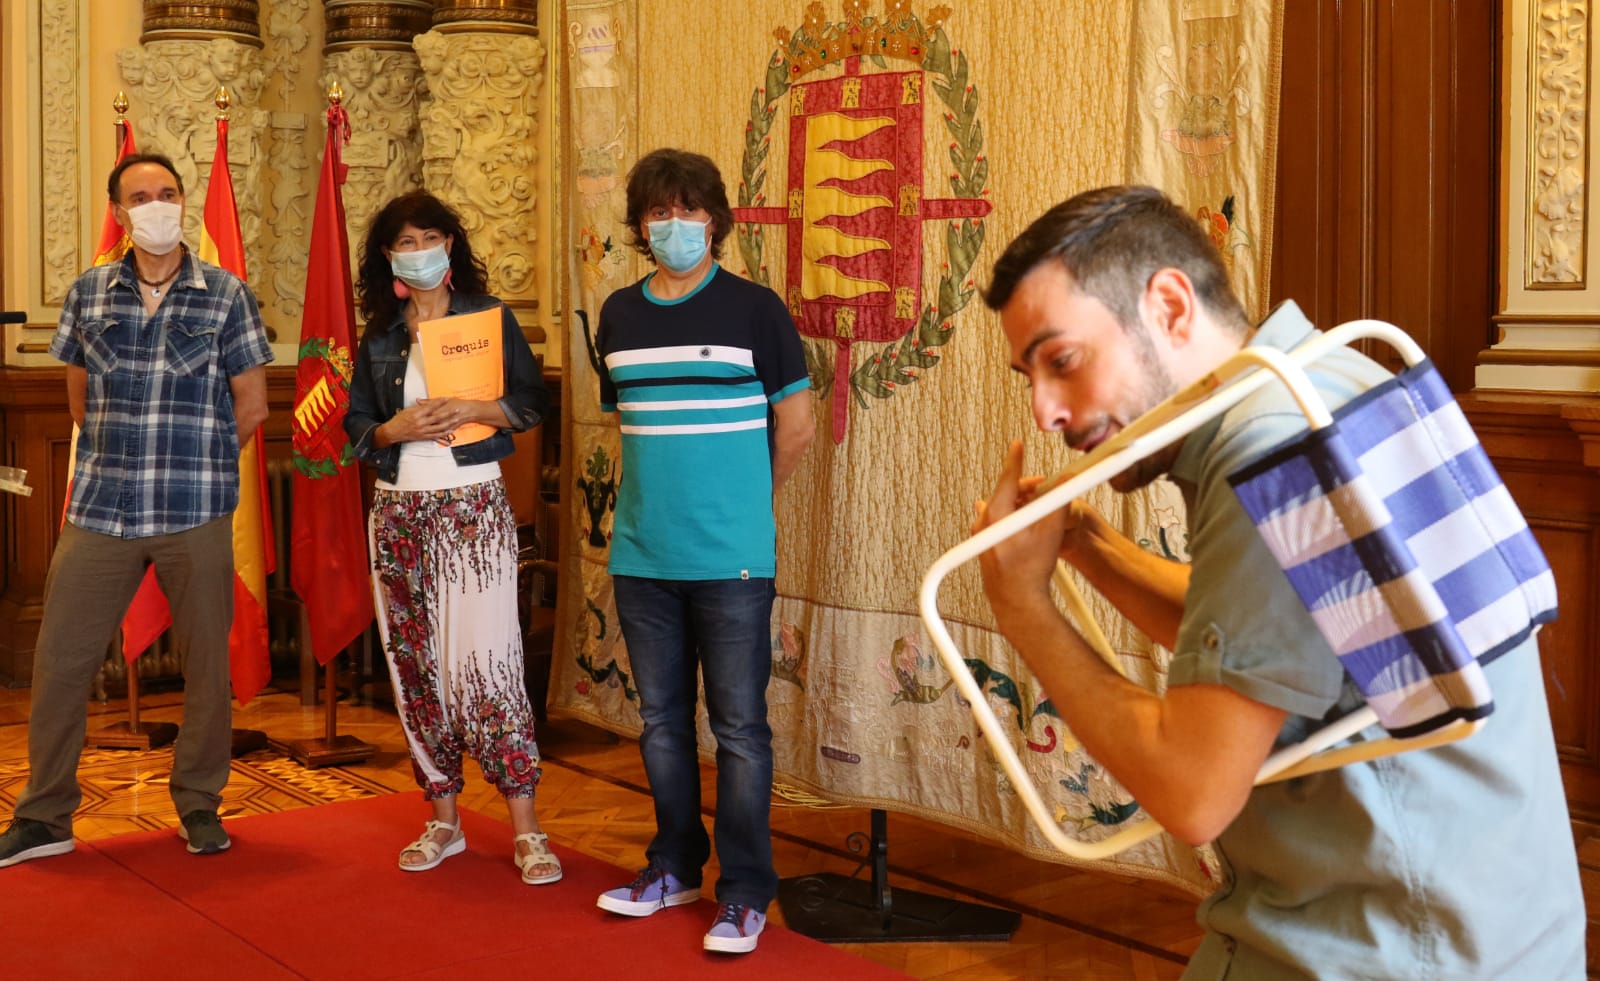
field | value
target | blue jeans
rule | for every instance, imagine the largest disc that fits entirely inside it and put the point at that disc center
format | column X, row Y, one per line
column 723, row 628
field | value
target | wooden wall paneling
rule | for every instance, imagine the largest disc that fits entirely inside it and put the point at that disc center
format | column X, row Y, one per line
column 38, row 434
column 1471, row 236
column 1386, row 170
column 1546, row 449
column 1304, row 264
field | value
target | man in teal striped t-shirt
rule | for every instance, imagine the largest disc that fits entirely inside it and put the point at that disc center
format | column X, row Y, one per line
column 707, row 375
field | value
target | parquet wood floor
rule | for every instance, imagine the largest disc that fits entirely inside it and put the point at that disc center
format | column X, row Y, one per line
column 593, row 798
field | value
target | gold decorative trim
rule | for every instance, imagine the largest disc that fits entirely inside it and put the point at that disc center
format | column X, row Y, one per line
column 390, row 25
column 201, row 20
column 1557, row 193
column 487, row 17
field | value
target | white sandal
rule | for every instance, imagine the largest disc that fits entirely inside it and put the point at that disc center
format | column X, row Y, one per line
column 539, row 853
column 432, row 852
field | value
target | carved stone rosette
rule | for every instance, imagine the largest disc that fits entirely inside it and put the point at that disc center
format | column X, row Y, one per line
column 480, row 143
column 175, row 83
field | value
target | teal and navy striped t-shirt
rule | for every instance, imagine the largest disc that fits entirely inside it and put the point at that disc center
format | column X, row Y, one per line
column 694, row 380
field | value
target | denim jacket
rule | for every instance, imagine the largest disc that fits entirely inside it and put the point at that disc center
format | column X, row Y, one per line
column 377, row 390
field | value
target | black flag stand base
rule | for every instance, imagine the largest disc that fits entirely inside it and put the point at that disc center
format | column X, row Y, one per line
column 332, row 749
column 132, row 733
column 842, row 909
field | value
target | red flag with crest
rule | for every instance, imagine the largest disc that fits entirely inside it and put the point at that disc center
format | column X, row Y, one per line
column 329, row 546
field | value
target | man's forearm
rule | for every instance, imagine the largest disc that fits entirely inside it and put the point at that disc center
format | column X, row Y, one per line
column 1146, row 588
column 77, row 392
column 1188, row 757
column 785, row 459
column 794, row 429
column 249, row 390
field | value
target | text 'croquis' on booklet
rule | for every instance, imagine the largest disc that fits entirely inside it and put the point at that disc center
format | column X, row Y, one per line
column 462, row 359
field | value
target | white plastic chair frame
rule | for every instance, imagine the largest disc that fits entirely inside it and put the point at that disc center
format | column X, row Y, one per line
column 1226, row 386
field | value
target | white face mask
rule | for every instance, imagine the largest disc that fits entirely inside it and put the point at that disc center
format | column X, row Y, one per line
column 423, row 269
column 157, row 226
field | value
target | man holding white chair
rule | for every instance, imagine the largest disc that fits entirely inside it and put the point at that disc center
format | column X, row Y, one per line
column 1453, row 862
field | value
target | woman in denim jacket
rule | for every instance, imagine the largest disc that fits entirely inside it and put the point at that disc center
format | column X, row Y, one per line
column 441, row 534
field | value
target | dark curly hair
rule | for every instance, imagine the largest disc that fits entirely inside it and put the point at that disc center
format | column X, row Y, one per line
column 667, row 176
column 375, row 277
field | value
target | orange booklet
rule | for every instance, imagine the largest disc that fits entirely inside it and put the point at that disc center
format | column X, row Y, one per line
column 461, row 359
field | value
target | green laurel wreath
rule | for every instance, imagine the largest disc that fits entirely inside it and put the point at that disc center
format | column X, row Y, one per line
column 902, row 361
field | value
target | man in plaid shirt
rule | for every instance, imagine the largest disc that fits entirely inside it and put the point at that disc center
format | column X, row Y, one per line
column 166, row 376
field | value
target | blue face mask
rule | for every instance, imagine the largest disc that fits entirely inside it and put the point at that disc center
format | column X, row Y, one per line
column 423, row 269
column 677, row 243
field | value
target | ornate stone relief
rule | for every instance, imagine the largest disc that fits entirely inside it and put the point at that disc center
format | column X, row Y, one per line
column 175, row 85
column 1558, row 145
column 382, row 90
column 479, row 145
column 59, row 150
column 290, row 169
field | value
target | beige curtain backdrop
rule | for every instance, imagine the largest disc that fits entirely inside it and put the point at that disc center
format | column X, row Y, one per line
column 1034, row 103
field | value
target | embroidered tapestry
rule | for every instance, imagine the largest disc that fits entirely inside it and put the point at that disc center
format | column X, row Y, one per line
column 879, row 155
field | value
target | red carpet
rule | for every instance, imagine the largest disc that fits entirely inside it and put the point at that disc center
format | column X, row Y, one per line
column 314, row 893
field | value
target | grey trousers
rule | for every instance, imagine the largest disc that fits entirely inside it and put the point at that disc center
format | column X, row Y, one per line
column 92, row 580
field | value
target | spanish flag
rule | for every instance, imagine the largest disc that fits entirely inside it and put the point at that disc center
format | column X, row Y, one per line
column 253, row 556
column 113, row 237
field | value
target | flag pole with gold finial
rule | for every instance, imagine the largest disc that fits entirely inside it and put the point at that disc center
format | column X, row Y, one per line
column 317, row 536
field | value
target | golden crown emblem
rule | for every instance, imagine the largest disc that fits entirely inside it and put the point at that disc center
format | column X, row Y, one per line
column 897, row 34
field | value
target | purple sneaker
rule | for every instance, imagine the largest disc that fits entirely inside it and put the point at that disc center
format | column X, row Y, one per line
column 654, row 888
column 735, row 930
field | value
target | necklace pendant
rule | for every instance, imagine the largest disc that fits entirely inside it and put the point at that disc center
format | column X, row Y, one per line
column 155, row 291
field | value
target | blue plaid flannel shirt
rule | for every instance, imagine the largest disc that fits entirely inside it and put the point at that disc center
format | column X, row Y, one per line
column 159, row 449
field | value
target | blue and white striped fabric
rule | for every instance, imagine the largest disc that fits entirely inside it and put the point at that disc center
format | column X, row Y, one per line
column 1400, row 539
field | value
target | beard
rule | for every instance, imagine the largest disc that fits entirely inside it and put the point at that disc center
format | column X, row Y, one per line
column 1156, row 386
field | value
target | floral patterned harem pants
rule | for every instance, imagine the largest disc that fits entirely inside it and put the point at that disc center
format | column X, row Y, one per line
column 444, row 579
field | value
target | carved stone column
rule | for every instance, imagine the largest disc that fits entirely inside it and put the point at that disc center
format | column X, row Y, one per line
column 484, row 64
column 187, row 52
column 367, row 49
column 1549, row 314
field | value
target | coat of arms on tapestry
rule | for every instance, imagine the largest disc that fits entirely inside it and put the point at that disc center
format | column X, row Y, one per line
column 848, row 201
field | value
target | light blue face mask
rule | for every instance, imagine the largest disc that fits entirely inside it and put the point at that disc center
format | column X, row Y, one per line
column 677, row 243
column 423, row 269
